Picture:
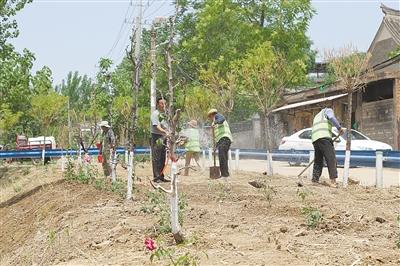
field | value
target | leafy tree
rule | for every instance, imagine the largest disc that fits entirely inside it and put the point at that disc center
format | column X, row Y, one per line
column 265, row 74
column 78, row 89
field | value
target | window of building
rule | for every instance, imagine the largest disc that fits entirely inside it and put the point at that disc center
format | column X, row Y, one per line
column 378, row 90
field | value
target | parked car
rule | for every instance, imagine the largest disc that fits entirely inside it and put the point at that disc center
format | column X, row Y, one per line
column 301, row 140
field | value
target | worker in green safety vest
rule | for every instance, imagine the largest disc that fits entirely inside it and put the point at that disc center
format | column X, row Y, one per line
column 192, row 144
column 323, row 145
column 223, row 138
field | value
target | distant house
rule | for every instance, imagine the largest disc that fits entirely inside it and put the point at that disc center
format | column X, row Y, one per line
column 376, row 110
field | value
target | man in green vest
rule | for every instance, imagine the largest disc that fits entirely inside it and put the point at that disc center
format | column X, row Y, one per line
column 223, row 138
column 323, row 145
column 192, row 145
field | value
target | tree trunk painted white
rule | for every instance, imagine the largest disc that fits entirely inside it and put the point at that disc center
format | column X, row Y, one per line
column 270, row 170
column 346, row 168
column 268, row 143
column 130, row 172
column 210, row 156
column 79, row 156
column 203, row 164
column 62, row 161
column 348, row 139
column 310, row 170
column 237, row 151
column 43, row 154
column 174, row 200
column 379, row 169
column 126, row 156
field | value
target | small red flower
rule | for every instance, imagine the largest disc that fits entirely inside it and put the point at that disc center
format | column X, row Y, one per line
column 149, row 243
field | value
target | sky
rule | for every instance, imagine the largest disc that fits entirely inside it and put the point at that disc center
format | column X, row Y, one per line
column 72, row 35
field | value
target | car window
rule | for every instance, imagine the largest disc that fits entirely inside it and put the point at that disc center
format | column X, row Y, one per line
column 305, row 135
column 354, row 135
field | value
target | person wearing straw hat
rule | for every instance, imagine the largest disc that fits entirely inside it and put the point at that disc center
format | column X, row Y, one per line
column 107, row 144
column 192, row 145
column 223, row 138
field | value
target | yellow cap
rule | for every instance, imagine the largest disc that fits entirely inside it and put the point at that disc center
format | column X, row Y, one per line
column 212, row 111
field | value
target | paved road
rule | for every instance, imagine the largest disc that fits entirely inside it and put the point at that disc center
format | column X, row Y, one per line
column 366, row 175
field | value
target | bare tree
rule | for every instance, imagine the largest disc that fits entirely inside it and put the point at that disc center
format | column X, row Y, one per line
column 352, row 72
column 172, row 117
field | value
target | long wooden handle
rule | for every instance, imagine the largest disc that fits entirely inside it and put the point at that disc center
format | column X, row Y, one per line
column 308, row 166
column 214, row 145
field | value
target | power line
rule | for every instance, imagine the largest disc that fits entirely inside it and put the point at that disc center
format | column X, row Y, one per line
column 121, row 29
column 156, row 10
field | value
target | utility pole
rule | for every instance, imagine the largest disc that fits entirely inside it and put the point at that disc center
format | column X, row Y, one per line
column 153, row 70
column 135, row 42
column 69, row 125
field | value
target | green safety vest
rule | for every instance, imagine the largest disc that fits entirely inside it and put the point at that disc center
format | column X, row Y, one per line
column 222, row 130
column 193, row 143
column 322, row 127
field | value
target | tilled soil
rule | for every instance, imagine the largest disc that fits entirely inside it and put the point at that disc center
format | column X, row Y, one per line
column 225, row 223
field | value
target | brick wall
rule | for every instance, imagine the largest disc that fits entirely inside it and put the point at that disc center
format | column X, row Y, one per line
column 396, row 112
column 377, row 120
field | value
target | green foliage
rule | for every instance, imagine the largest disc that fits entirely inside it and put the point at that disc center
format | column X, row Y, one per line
column 313, row 216
column 100, row 184
column 268, row 193
column 175, row 260
column 51, row 237
column 219, row 191
column 17, row 188
column 158, row 204
column 119, row 187
column 395, row 52
column 84, row 173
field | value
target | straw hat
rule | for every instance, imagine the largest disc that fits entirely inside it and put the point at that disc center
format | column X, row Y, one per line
column 104, row 124
column 192, row 123
column 212, row 111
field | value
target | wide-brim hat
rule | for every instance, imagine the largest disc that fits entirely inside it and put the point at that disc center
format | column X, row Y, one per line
column 212, row 111
column 192, row 123
column 104, row 124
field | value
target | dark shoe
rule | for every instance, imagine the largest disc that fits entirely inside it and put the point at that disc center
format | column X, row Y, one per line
column 314, row 182
column 163, row 179
column 156, row 180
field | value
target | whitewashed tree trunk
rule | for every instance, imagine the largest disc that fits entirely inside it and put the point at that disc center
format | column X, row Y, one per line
column 270, row 170
column 378, row 169
column 346, row 168
column 174, row 199
column 130, row 173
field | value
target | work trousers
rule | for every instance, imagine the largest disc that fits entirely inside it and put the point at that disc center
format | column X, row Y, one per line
column 158, row 156
column 223, row 146
column 188, row 157
column 324, row 149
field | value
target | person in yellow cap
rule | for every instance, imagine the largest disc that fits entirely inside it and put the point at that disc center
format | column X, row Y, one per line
column 223, row 138
column 192, row 145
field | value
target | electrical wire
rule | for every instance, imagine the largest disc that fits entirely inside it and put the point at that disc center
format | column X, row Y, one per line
column 121, row 30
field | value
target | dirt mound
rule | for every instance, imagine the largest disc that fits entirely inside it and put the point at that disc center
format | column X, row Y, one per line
column 230, row 221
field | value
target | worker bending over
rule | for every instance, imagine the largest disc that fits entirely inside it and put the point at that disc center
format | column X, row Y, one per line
column 323, row 145
column 223, row 138
column 192, row 144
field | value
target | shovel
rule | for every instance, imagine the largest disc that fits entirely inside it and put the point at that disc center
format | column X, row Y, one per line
column 214, row 170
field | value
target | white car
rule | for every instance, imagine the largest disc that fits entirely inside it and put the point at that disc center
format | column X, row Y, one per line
column 301, row 140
